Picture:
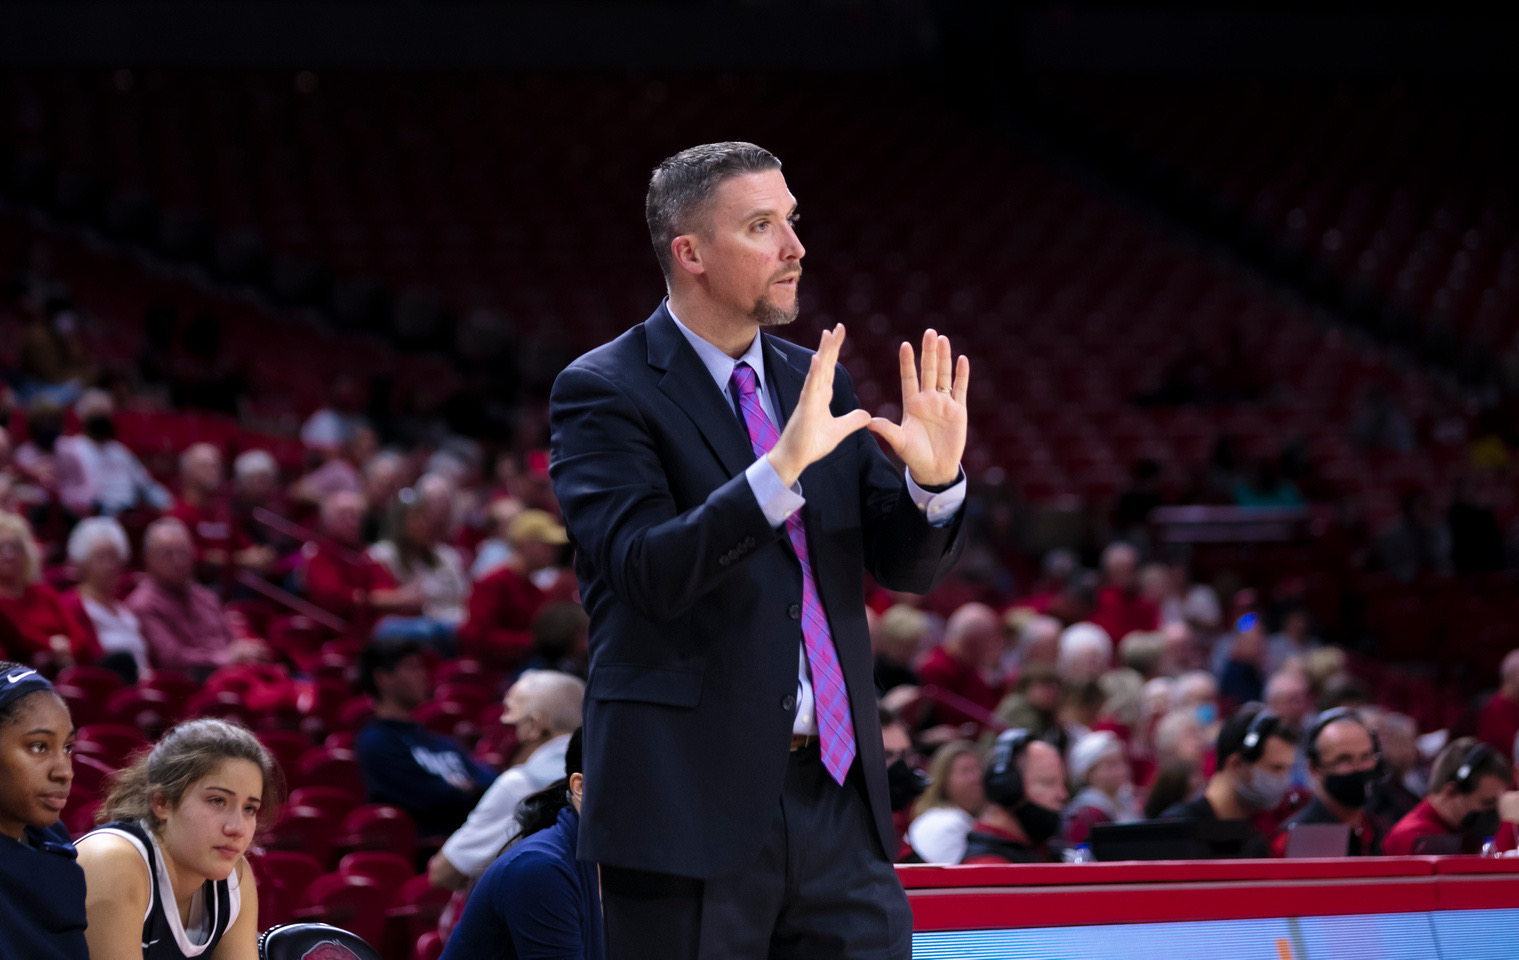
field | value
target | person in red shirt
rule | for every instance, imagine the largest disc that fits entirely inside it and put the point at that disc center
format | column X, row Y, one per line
column 967, row 665
column 1121, row 607
column 219, row 544
column 33, row 624
column 343, row 580
column 1461, row 811
column 503, row 604
column 1498, row 724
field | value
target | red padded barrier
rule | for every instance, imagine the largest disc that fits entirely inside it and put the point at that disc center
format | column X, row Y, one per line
column 1046, row 895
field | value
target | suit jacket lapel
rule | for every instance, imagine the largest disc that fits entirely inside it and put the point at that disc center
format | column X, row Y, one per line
column 687, row 382
column 787, row 379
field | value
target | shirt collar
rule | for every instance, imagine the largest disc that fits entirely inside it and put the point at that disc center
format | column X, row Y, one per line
column 718, row 363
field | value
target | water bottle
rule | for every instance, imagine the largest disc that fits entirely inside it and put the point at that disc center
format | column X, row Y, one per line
column 1081, row 853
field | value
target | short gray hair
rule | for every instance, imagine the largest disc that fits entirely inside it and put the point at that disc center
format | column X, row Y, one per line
column 252, row 462
column 91, row 533
column 682, row 187
column 554, row 696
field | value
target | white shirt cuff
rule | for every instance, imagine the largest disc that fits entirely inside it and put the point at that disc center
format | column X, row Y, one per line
column 777, row 500
column 940, row 508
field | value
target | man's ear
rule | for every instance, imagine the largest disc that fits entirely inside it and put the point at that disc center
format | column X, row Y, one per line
column 686, row 253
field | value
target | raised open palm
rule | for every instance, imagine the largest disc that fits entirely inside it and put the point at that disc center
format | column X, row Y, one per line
column 930, row 440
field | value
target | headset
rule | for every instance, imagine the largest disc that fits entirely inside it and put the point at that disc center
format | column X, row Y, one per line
column 1311, row 747
column 1262, row 725
column 1466, row 776
column 1002, row 781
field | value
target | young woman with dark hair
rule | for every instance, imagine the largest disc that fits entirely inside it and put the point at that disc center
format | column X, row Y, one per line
column 166, row 871
column 536, row 900
column 41, row 887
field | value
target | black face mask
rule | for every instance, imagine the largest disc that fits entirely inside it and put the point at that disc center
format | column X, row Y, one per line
column 46, row 438
column 904, row 784
column 1039, row 823
column 1350, row 790
column 1480, row 825
column 100, row 428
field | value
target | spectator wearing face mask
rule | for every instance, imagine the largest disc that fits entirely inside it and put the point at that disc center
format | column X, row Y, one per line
column 1255, row 753
column 1461, row 812
column 904, row 781
column 1344, row 763
column 1025, row 792
column 96, row 472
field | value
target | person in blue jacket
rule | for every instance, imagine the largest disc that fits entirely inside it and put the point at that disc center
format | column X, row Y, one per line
column 430, row 776
column 41, row 884
column 536, row 901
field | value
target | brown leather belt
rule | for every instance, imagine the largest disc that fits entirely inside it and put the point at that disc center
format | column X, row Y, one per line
column 803, row 741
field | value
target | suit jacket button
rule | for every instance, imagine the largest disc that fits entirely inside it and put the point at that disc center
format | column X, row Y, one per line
column 788, row 702
column 749, row 542
column 722, row 561
column 794, row 611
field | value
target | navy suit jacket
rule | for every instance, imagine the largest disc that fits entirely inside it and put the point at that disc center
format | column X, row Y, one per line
column 695, row 600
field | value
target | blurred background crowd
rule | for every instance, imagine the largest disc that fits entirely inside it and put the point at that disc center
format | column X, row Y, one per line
column 275, row 348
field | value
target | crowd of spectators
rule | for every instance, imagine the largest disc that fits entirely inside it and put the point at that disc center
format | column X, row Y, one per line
column 1243, row 726
column 1038, row 710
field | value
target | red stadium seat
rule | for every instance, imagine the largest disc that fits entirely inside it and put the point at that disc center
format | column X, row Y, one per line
column 378, row 827
column 113, row 743
column 334, row 802
column 90, row 774
column 289, row 872
column 390, row 871
column 303, row 830
column 354, row 903
column 330, row 767
column 224, row 704
column 98, row 682
column 287, row 746
column 416, row 910
column 177, row 687
column 149, row 710
column 429, row 946
column 84, row 708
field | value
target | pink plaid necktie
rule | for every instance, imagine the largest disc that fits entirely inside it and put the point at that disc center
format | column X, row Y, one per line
column 835, row 726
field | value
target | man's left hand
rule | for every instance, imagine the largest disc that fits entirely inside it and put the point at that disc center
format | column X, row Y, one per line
column 931, row 437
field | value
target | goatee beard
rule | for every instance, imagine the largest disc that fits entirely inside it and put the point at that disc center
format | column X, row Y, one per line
column 767, row 314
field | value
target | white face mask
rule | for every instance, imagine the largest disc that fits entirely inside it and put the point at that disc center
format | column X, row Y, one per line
column 1263, row 791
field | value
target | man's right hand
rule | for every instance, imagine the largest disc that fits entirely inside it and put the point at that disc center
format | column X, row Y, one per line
column 813, row 431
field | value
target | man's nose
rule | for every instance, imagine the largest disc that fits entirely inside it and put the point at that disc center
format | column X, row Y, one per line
column 793, row 249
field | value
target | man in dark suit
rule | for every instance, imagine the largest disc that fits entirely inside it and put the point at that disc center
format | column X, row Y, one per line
column 723, row 501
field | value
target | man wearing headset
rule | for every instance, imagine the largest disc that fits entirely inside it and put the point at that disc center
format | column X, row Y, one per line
column 1467, row 781
column 1345, row 764
column 1256, row 750
column 1025, row 793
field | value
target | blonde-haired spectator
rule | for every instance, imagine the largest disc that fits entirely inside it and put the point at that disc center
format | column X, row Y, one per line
column 944, row 814
column 898, row 637
column 34, row 626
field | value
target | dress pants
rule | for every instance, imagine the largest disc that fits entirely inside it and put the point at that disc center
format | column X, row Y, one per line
column 820, row 888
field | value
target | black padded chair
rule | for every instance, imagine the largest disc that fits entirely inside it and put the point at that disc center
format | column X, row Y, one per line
column 313, row 941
